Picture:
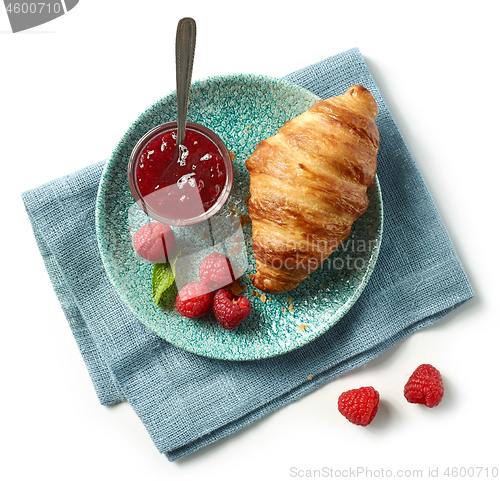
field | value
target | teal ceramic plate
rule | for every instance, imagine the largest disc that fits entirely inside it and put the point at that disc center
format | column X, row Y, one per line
column 242, row 109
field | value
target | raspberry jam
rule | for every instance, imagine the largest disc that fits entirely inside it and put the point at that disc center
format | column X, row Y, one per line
column 186, row 189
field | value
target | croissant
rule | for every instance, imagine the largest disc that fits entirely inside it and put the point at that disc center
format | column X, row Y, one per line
column 308, row 185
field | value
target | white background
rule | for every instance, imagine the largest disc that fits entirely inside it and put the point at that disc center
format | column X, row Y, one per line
column 68, row 91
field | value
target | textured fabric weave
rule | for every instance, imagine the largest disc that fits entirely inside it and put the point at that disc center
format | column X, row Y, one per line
column 187, row 401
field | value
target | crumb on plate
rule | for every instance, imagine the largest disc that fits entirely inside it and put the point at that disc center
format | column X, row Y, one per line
column 244, row 219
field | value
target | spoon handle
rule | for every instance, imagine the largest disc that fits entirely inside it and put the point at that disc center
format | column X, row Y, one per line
column 185, row 42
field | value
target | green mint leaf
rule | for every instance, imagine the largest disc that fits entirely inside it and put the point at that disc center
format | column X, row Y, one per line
column 163, row 278
column 168, row 298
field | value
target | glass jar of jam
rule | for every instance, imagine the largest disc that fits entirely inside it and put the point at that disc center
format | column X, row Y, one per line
column 186, row 191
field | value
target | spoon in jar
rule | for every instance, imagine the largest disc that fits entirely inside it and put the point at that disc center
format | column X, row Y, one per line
column 185, row 42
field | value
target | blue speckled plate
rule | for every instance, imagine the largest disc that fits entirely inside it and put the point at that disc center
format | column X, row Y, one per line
column 242, row 109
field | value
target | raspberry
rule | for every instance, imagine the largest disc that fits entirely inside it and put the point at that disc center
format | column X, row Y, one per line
column 194, row 300
column 359, row 406
column 230, row 310
column 425, row 386
column 215, row 271
column 154, row 241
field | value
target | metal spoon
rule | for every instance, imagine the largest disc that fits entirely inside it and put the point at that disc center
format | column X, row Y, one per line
column 185, row 42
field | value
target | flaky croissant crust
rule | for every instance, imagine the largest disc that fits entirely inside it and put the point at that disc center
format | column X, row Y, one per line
column 308, row 185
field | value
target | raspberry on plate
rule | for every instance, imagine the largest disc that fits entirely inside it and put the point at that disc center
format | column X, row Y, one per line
column 359, row 406
column 194, row 300
column 230, row 310
column 215, row 271
column 154, row 241
column 425, row 386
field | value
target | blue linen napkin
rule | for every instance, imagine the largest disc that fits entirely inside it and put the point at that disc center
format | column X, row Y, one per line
column 187, row 401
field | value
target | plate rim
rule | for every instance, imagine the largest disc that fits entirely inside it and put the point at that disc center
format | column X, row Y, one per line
column 100, row 228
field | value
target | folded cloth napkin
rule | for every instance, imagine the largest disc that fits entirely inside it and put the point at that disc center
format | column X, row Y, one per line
column 187, row 401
